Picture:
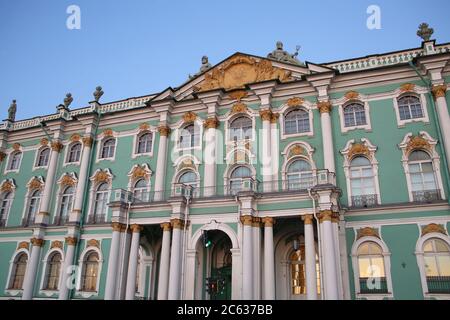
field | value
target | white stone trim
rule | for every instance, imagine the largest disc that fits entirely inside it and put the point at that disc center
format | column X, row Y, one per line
column 175, row 136
column 284, row 109
column 366, row 105
column 101, row 139
column 423, row 102
column 229, row 117
column 8, row 160
column 60, row 193
column 67, row 151
column 29, row 194
column 134, row 154
column 93, row 189
column 14, row 292
column 36, row 157
column 80, row 273
column 44, row 279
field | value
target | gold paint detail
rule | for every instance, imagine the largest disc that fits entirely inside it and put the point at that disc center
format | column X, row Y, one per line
column 2, row 156
column 75, row 137
column 67, row 181
column 367, row 232
column 296, row 150
column 71, row 241
column 238, row 95
column 433, row 228
column 275, row 117
column 324, row 106
column 56, row 244
column 23, row 245
column 44, row 142
column 256, row 222
column 93, row 243
column 36, row 242
column 239, row 71
column 408, row 87
column 44, row 213
column 164, row 131
column 16, row 146
column 358, row 149
column 101, row 176
column 57, row 146
column 7, row 186
column 266, row 115
column 417, row 143
column 135, row 228
column 335, row 217
column 116, row 226
column 35, row 184
column 177, row 223
column 211, row 123
column 308, row 218
column 295, row 102
column 247, row 220
column 139, row 172
column 439, row 91
column 325, row 215
column 268, row 222
column 88, row 141
column 189, row 117
column 144, row 127
column 108, row 133
column 239, row 108
column 166, row 226
column 352, row 95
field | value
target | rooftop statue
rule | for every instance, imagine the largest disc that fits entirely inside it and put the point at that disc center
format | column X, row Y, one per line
column 12, row 111
column 425, row 32
column 281, row 55
column 204, row 67
column 68, row 100
column 98, row 93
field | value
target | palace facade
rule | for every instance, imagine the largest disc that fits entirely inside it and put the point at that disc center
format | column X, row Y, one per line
column 258, row 178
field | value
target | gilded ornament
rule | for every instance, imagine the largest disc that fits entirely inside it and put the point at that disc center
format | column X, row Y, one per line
column 35, row 184
column 266, row 115
column 7, row 186
column 325, row 215
column 408, row 87
column 36, row 242
column 177, row 223
column 238, row 95
column 417, row 143
column 324, row 106
column 88, row 141
column 44, row 142
column 75, row 137
column 71, row 241
column 358, row 149
column 239, row 71
column 439, row 91
column 433, row 228
column 67, row 181
column 247, row 220
column 135, row 228
column 295, row 102
column 101, row 176
column 335, row 217
column 164, row 131
column 189, row 117
column 211, row 123
column 116, row 226
column 239, row 107
column 268, row 222
column 186, row 163
column 367, row 232
column 144, row 127
column 256, row 222
column 57, row 146
column 275, row 117
column 16, row 146
column 138, row 172
column 108, row 133
column 296, row 150
column 166, row 226
column 352, row 95
column 308, row 218
column 23, row 245
column 2, row 156
column 56, row 244
column 93, row 243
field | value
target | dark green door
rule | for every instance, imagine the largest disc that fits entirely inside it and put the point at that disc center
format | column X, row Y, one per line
column 223, row 275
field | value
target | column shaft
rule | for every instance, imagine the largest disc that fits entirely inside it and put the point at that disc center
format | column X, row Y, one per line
column 329, row 257
column 310, row 259
column 210, row 159
column 444, row 122
column 175, row 262
column 247, row 257
column 133, row 263
column 67, row 269
column 269, row 260
column 163, row 281
column 31, row 271
column 266, row 154
column 111, row 276
column 327, row 135
column 161, row 164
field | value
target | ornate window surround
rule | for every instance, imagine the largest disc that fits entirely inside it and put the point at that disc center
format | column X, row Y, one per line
column 14, row 292
column 427, row 144
column 421, row 263
column 349, row 99
column 37, row 155
column 292, row 153
column 349, row 152
column 105, row 177
column 10, row 152
column 85, row 252
column 32, row 186
column 289, row 106
column 236, row 112
column 137, row 173
column 387, row 267
column 101, row 139
column 8, row 186
column 45, row 266
column 230, row 168
column 67, row 152
column 419, row 92
column 64, row 182
column 143, row 129
column 180, row 169
column 187, row 119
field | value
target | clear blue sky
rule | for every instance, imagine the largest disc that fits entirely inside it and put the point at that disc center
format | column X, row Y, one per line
column 139, row 47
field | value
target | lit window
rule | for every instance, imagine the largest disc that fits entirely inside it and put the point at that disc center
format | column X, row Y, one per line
column 241, row 129
column 43, row 158
column 362, row 182
column 354, row 115
column 90, row 272
column 53, row 271
column 437, row 265
column 422, row 175
column 299, row 175
column 409, row 107
column 372, row 277
column 108, row 149
column 18, row 272
column 145, row 143
column 14, row 161
column 296, row 121
column 74, row 153
column 237, row 177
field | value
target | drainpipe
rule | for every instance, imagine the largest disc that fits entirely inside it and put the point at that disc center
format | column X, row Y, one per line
column 427, row 84
column 322, row 293
column 183, row 262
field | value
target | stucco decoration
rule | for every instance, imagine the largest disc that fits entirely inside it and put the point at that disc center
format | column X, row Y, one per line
column 68, row 180
column 422, row 141
column 408, row 87
column 239, row 108
column 102, row 176
column 367, row 232
column 238, row 95
column 36, row 183
column 140, row 172
column 433, row 228
column 93, row 243
column 7, row 185
column 425, row 32
column 56, row 244
column 189, row 117
column 295, row 102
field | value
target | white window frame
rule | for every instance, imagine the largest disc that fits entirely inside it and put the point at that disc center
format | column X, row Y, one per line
column 67, row 154
column 45, row 267
column 285, row 109
column 423, row 102
column 8, row 162
column 11, row 201
column 227, row 175
column 89, row 294
column 148, row 178
column 365, row 104
column 93, row 191
column 136, row 138
column 287, row 161
column 36, row 165
column 387, row 269
column 100, row 142
column 15, row 292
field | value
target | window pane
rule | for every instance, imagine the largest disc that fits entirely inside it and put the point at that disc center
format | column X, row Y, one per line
column 441, row 246
column 444, row 265
column 431, row 267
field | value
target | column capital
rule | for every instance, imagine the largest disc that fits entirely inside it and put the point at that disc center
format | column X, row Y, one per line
column 177, row 223
column 2, row 156
column 335, row 217
column 37, row 242
column 117, row 226
column 71, row 241
column 87, row 141
column 135, row 228
column 274, row 118
column 164, row 131
column 256, row 222
column 324, row 106
column 57, row 146
column 266, row 115
column 166, row 226
column 325, row 215
column 439, row 91
column 268, row 222
column 211, row 123
column 308, row 218
column 247, row 220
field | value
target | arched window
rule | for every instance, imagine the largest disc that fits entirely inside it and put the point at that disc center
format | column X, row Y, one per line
column 74, row 153
column 188, row 178
column 89, row 273
column 33, row 207
column 372, row 276
column 423, row 178
column 18, row 271
column 409, row 107
column 108, row 148
column 14, row 160
column 140, row 190
column 299, row 175
column 145, row 143
column 437, row 265
column 354, row 115
column 66, row 203
column 241, row 129
column 101, row 202
column 5, row 206
column 296, row 121
column 43, row 157
column 237, row 176
column 189, row 137
column 53, row 271
column 362, row 183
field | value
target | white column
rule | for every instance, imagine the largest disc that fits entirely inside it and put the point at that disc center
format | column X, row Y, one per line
column 67, row 269
column 82, row 180
column 31, row 271
column 43, row 216
column 269, row 260
column 329, row 256
column 113, row 262
column 266, row 155
column 444, row 118
column 274, row 139
column 310, row 258
column 327, row 135
column 175, row 261
column 210, row 156
column 161, row 163
column 337, row 250
column 133, row 264
column 247, row 257
column 257, row 250
column 163, row 281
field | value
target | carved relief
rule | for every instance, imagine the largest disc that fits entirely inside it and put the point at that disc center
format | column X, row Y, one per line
column 139, row 171
column 352, row 95
column 439, row 91
column 56, row 244
column 23, row 245
column 189, row 117
column 367, row 232
column 295, row 102
column 266, row 115
column 108, row 133
column 417, row 142
column 433, row 228
column 358, row 149
column 238, row 108
column 35, row 184
column 211, row 123
column 7, row 186
column 408, row 87
column 57, row 146
column 75, row 137
column 164, row 131
column 324, row 106
column 296, row 150
column 144, row 127
column 93, row 243
column 238, row 95
column 44, row 142
column 275, row 117
column 101, row 176
column 16, row 146
column 88, row 141
column 67, row 181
